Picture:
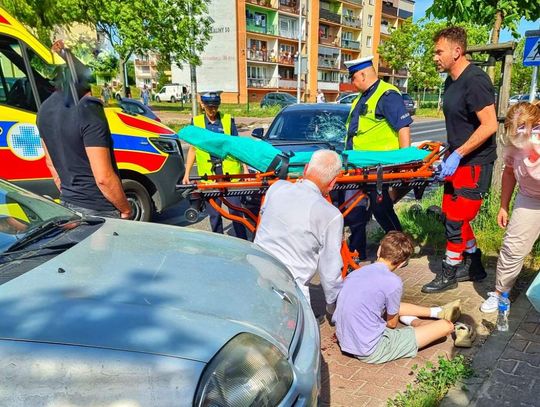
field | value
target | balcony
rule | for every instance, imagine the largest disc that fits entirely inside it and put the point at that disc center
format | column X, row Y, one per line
column 293, row 34
column 286, row 58
column 289, row 6
column 384, row 70
column 259, row 55
column 325, row 62
column 389, row 10
column 350, row 44
column 404, row 14
column 385, row 30
column 325, row 85
column 355, row 2
column 261, row 83
column 351, row 21
column 329, row 16
column 330, row 40
column 255, row 28
column 290, row 84
column 264, row 3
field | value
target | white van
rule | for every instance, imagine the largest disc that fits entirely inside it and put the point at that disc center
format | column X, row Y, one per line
column 173, row 92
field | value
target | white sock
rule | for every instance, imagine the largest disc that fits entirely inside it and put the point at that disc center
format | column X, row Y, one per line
column 407, row 320
column 434, row 311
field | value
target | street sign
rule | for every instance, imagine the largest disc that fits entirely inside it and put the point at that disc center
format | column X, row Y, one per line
column 531, row 52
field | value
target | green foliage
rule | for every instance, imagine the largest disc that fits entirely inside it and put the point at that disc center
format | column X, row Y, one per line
column 483, row 12
column 42, row 15
column 521, row 75
column 427, row 229
column 411, row 47
column 432, row 382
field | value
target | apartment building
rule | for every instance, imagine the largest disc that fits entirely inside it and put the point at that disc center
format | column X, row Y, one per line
column 256, row 45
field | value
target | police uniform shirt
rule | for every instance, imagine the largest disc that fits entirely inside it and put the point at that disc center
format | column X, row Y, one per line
column 217, row 126
column 390, row 107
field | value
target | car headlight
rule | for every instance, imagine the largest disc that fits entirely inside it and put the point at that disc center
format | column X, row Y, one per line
column 165, row 144
column 247, row 371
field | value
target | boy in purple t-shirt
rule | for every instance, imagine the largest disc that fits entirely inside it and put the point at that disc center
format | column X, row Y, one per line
column 369, row 307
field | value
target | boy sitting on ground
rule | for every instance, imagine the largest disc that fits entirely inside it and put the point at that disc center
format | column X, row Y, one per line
column 369, row 307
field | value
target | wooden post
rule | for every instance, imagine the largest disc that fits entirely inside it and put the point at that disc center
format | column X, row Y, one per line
column 504, row 96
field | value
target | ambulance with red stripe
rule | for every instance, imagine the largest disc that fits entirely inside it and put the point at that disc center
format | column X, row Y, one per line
column 148, row 154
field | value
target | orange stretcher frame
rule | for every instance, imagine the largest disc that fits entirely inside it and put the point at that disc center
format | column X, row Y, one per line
column 411, row 175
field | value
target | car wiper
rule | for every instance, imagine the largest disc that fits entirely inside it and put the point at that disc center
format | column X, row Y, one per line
column 42, row 230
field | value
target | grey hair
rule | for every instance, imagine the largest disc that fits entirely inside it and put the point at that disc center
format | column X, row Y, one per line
column 324, row 165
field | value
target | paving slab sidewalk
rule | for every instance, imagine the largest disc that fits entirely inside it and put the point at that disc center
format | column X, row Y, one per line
column 348, row 382
column 507, row 367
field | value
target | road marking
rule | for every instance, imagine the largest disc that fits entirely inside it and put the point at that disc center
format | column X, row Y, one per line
column 414, row 133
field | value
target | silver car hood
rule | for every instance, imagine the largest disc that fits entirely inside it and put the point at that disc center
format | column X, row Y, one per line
column 155, row 289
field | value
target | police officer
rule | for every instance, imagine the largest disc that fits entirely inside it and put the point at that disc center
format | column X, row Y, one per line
column 378, row 121
column 216, row 122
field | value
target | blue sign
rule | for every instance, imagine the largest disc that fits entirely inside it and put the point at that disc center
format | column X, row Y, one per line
column 531, row 52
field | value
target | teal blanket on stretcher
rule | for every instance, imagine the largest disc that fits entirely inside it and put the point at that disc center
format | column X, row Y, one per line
column 261, row 155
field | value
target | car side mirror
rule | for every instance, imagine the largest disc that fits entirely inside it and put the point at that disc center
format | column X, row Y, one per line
column 258, row 133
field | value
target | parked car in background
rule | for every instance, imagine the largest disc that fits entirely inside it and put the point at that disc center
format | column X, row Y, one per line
column 281, row 99
column 135, row 106
column 307, row 127
column 409, row 103
column 173, row 92
column 514, row 99
column 524, row 98
column 110, row 312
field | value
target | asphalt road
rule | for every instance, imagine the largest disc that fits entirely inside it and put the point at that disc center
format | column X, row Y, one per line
column 431, row 130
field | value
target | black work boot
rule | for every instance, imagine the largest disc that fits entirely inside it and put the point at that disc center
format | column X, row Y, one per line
column 472, row 270
column 445, row 280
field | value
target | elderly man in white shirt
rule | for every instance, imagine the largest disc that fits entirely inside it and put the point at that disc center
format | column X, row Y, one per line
column 303, row 230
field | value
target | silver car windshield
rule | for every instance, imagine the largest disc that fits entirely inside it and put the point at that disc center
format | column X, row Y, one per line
column 308, row 125
column 22, row 212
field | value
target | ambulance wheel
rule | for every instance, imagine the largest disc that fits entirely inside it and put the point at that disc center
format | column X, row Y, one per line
column 139, row 199
column 191, row 215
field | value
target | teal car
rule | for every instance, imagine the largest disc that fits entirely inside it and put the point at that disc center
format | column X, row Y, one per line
column 100, row 311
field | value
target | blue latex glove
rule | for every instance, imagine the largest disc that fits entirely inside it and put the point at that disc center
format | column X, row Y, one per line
column 449, row 166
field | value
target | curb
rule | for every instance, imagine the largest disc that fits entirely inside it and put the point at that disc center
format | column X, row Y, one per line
column 469, row 391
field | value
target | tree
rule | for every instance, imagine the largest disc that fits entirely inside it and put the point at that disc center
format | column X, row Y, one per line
column 43, row 15
column 490, row 13
column 411, row 46
column 521, row 75
column 172, row 28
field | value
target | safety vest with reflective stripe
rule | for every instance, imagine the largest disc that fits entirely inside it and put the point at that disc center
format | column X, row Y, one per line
column 204, row 164
column 374, row 134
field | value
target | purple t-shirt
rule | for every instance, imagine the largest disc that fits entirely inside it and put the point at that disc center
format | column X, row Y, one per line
column 366, row 295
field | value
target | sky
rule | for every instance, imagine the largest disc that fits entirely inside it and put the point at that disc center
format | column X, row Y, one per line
column 422, row 5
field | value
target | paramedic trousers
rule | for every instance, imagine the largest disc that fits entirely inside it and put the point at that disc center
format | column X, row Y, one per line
column 462, row 199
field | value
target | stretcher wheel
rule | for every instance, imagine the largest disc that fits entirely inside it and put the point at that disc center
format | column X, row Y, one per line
column 191, row 215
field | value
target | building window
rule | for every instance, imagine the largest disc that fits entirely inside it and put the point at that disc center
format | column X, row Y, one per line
column 324, row 31
column 368, row 41
column 370, row 20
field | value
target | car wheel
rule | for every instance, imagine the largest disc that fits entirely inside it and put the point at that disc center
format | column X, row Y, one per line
column 158, row 99
column 139, row 199
column 173, row 99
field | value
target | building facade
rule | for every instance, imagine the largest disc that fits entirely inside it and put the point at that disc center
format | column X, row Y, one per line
column 256, row 46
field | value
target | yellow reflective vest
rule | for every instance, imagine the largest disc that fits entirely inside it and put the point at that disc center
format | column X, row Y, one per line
column 374, row 134
column 204, row 164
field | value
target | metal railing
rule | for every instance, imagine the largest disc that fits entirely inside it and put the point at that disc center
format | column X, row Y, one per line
column 350, row 44
column 261, row 83
column 328, row 63
column 252, row 27
column 351, row 21
column 389, row 10
column 330, row 40
column 328, row 15
column 258, row 55
column 289, row 84
column 289, row 34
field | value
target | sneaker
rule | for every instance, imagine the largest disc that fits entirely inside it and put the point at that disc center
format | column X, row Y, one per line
column 491, row 304
column 451, row 311
column 465, row 335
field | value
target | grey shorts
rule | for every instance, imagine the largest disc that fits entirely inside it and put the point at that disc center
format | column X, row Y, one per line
column 394, row 344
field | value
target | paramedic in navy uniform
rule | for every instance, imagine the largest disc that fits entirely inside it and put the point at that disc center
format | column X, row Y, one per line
column 378, row 121
column 216, row 122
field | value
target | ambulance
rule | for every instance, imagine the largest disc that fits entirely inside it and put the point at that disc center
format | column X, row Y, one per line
column 148, row 154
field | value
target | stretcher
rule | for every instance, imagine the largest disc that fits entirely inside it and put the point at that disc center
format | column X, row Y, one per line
column 413, row 168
